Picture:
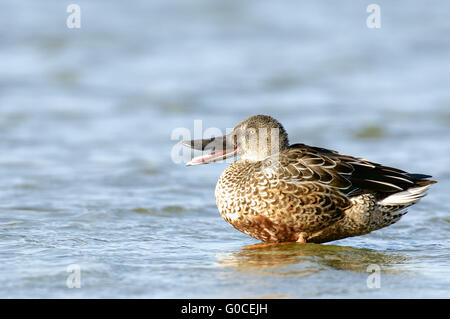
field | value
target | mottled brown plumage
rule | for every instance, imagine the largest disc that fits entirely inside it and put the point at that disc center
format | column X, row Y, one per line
column 280, row 193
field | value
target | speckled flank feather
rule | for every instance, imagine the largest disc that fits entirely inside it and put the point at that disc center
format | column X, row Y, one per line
column 274, row 210
column 310, row 194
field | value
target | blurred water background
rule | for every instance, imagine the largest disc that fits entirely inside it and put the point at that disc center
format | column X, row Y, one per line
column 86, row 117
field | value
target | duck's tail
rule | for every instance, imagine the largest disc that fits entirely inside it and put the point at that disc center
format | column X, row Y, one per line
column 412, row 194
column 408, row 197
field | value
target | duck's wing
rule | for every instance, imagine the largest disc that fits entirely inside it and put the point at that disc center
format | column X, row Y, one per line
column 350, row 175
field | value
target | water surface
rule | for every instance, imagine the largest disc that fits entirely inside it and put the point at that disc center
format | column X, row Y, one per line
column 86, row 118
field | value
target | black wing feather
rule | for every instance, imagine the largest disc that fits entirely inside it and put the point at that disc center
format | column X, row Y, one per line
column 352, row 175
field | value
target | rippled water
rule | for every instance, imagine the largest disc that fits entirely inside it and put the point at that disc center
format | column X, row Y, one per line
column 86, row 117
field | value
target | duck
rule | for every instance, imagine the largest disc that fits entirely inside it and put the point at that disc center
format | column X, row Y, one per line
column 276, row 192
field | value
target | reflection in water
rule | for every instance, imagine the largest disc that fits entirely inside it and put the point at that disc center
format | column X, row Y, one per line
column 307, row 259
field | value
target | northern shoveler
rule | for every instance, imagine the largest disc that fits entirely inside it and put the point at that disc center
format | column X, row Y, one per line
column 278, row 192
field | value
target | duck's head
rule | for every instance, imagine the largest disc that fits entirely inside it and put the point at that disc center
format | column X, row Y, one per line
column 253, row 139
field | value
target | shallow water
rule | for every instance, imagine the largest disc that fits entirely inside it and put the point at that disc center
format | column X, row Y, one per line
column 86, row 118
